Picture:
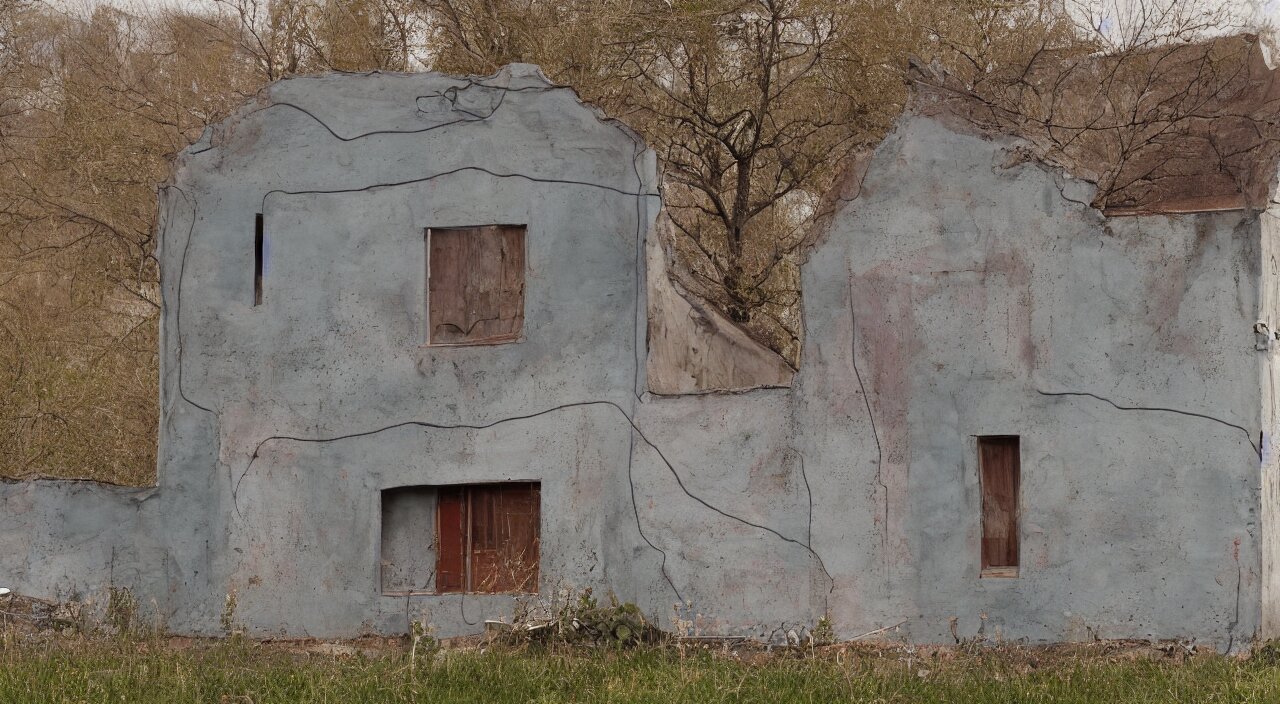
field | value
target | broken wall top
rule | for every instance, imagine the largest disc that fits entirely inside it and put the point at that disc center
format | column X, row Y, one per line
column 304, row 111
column 1177, row 128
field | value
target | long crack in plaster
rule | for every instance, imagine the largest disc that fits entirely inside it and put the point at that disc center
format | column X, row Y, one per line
column 1235, row 619
column 450, row 94
column 580, row 404
column 884, row 488
column 639, row 194
column 1248, row 436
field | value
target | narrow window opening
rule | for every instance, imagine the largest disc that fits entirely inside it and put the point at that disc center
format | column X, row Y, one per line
column 478, row 538
column 1000, row 463
column 257, row 260
column 475, row 284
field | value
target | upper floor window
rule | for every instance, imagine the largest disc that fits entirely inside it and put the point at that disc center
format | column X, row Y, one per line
column 475, row 284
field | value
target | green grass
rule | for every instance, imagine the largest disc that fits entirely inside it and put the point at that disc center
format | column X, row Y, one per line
column 75, row 670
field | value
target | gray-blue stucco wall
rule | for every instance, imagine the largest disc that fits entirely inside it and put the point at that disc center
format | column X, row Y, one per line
column 961, row 294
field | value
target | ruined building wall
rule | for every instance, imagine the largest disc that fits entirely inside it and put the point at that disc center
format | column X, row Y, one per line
column 284, row 418
column 966, row 294
column 961, row 294
column 972, row 295
column 1268, row 345
column 327, row 392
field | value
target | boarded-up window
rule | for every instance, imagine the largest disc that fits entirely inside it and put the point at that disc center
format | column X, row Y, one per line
column 475, row 284
column 488, row 538
column 998, row 457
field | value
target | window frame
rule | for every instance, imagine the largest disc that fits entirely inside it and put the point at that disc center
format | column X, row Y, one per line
column 429, row 326
column 434, row 547
column 468, row 556
column 988, row 570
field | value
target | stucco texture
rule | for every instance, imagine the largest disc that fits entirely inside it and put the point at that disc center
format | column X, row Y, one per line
column 957, row 296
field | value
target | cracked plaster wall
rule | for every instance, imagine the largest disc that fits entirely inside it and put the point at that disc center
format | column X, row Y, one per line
column 1269, row 314
column 981, row 294
column 951, row 299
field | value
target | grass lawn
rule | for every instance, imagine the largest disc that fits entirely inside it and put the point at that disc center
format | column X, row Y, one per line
column 65, row 669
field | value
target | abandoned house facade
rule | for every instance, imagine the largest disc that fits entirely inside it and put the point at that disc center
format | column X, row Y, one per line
column 421, row 359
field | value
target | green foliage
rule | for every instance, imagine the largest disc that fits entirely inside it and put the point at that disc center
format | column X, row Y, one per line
column 583, row 621
column 1267, row 655
column 617, row 625
column 228, row 618
column 423, row 642
column 824, row 632
column 149, row 672
column 122, row 610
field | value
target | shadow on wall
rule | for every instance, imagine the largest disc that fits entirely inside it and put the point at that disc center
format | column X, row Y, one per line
column 692, row 347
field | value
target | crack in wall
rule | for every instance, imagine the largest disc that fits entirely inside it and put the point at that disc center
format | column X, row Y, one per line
column 640, row 194
column 809, row 493
column 1247, row 435
column 831, row 582
column 639, row 273
column 853, row 358
column 460, row 169
column 528, row 416
column 635, row 509
column 177, row 307
column 450, row 94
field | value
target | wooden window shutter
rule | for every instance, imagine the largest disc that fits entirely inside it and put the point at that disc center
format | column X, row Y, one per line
column 451, row 534
column 1000, row 476
column 475, row 284
column 489, row 538
column 504, row 537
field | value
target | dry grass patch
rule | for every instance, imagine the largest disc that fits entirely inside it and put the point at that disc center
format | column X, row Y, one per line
column 46, row 668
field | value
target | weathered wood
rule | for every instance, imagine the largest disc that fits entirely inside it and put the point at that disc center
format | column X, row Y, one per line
column 1001, row 470
column 504, row 537
column 488, row 538
column 475, row 284
column 451, row 546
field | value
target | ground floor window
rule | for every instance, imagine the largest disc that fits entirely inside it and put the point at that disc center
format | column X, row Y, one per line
column 1001, row 474
column 461, row 538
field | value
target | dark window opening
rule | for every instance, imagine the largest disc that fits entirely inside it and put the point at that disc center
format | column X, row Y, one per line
column 480, row 538
column 257, row 260
column 998, row 457
column 475, row 285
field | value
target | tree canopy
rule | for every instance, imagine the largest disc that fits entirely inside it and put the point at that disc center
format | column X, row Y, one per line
column 754, row 108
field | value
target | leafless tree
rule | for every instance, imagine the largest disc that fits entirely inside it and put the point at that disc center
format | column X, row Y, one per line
column 1144, row 98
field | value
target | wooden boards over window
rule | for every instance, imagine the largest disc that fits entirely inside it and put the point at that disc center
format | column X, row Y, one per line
column 1001, row 475
column 488, row 538
column 475, row 284
column 461, row 538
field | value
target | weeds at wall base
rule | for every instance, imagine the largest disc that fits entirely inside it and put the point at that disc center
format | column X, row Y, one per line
column 52, row 666
column 52, row 654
